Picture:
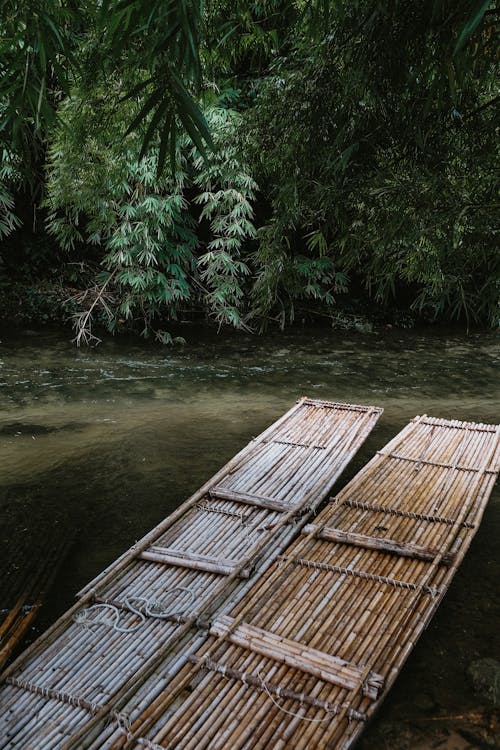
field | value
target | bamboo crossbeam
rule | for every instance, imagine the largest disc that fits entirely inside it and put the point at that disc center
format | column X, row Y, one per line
column 277, row 690
column 294, row 654
column 329, row 534
column 387, row 509
column 221, row 493
column 356, row 573
column 470, row 426
column 440, row 464
column 72, row 700
column 334, row 405
column 185, row 559
column 280, row 441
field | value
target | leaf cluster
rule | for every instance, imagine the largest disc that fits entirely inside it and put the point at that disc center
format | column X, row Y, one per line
column 376, row 148
column 151, row 226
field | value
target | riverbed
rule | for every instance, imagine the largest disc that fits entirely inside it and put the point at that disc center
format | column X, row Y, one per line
column 98, row 445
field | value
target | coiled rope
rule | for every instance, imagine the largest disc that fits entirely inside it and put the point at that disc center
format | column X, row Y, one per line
column 143, row 607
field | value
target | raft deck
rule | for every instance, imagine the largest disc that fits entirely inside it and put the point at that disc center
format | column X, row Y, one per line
column 160, row 594
column 307, row 655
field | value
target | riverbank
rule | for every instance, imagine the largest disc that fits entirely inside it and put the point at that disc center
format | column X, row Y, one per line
column 52, row 304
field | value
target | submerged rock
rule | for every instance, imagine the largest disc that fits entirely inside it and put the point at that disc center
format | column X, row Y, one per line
column 485, row 677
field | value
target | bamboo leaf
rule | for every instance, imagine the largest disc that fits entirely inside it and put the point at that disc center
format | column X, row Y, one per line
column 191, row 115
column 471, row 25
column 49, row 22
column 165, row 135
column 136, row 89
column 155, row 99
column 153, row 125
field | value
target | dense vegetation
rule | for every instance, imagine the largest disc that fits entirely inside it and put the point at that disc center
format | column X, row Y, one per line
column 248, row 162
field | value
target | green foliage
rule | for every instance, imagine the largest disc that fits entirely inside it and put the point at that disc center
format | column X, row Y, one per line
column 375, row 148
column 162, row 40
column 370, row 129
column 46, row 46
column 226, row 195
column 36, row 42
column 102, row 191
column 9, row 181
column 285, row 278
column 435, row 231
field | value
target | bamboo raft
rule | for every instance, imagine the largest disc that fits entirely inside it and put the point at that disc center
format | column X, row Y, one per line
column 28, row 573
column 160, row 594
column 304, row 658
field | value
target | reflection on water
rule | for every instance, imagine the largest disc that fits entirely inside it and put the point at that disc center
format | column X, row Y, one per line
column 101, row 444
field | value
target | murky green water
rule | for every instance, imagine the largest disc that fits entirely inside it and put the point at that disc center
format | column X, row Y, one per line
column 96, row 446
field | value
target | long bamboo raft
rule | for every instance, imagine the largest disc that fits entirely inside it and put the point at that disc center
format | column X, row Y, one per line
column 161, row 593
column 306, row 656
column 28, row 573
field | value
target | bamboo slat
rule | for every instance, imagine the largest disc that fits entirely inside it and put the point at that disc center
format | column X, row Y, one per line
column 169, row 556
column 245, row 497
column 326, row 667
column 153, row 604
column 334, row 597
column 330, row 534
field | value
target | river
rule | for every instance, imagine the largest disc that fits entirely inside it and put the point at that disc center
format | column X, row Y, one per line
column 98, row 445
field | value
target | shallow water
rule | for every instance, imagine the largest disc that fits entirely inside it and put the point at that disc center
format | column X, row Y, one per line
column 98, row 445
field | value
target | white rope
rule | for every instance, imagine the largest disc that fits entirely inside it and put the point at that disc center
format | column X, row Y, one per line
column 96, row 614
column 124, row 727
column 155, row 608
column 291, row 713
column 85, row 618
